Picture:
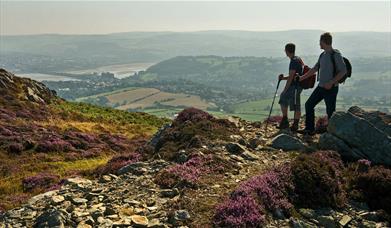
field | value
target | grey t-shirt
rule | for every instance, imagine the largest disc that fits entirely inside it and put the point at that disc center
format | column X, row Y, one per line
column 325, row 66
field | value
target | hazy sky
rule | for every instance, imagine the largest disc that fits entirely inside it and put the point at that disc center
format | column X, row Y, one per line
column 95, row 17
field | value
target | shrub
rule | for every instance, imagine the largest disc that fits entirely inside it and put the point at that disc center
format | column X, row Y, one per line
column 189, row 173
column 41, row 181
column 375, row 187
column 272, row 188
column 54, row 144
column 243, row 211
column 193, row 115
column 318, row 180
column 117, row 162
column 15, row 148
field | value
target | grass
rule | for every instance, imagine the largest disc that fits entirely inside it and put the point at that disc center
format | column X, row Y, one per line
column 31, row 164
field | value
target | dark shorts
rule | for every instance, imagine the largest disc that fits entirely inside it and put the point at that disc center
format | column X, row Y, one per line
column 291, row 98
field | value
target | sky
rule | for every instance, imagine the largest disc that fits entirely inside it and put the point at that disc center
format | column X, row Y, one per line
column 102, row 17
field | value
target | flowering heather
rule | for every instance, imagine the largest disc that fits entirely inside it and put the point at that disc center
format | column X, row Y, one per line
column 189, row 173
column 118, row 162
column 41, row 181
column 375, row 187
column 15, row 148
column 243, row 211
column 318, row 180
column 54, row 144
column 192, row 115
column 272, row 188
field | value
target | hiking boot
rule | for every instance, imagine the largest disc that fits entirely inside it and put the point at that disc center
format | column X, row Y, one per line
column 295, row 126
column 306, row 132
column 284, row 123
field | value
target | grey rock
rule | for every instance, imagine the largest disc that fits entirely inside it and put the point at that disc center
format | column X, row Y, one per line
column 328, row 141
column 327, row 221
column 307, row 213
column 181, row 215
column 249, row 156
column 235, row 148
column 287, row 143
column 373, row 143
column 169, row 192
column 137, row 168
column 51, row 218
column 79, row 201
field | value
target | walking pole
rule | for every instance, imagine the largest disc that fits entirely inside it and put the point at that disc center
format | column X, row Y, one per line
column 271, row 108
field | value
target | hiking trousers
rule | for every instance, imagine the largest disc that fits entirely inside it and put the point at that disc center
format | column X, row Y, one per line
column 319, row 94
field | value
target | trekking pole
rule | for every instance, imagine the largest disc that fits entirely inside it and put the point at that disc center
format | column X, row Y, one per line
column 271, row 108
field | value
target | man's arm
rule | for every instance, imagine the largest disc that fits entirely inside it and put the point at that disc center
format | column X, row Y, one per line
column 308, row 74
column 290, row 78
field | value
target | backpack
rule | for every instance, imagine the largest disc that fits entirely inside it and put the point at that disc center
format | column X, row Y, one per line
column 348, row 68
column 309, row 82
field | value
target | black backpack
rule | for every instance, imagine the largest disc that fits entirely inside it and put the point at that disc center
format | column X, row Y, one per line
column 348, row 68
column 347, row 64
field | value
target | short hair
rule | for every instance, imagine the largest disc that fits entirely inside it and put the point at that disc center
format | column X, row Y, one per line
column 290, row 47
column 326, row 38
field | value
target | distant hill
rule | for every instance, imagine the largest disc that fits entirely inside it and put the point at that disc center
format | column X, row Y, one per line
column 52, row 52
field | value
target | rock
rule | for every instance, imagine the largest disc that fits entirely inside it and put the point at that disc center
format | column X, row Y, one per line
column 155, row 223
column 345, row 220
column 179, row 215
column 78, row 182
column 326, row 221
column 249, row 156
column 235, row 148
column 51, row 218
column 360, row 134
column 135, row 168
column 57, row 199
column 368, row 224
column 79, row 201
column 307, row 213
column 169, row 192
column 139, row 221
column 42, row 196
column 286, row 143
column 371, row 216
column 328, row 141
column 105, row 179
column 378, row 119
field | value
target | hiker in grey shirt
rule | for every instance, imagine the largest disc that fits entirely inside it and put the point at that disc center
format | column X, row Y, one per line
column 328, row 78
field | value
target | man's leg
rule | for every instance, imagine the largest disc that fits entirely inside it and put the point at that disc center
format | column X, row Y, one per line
column 284, row 110
column 284, row 122
column 330, row 99
column 312, row 101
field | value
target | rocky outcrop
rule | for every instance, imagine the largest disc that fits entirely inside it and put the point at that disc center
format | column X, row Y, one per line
column 24, row 89
column 358, row 134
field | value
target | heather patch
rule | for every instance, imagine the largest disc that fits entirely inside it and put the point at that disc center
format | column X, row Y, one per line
column 371, row 184
column 191, row 129
column 242, row 211
column 189, row 173
column 41, row 181
column 318, row 180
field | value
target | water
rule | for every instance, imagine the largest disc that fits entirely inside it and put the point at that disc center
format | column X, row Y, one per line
column 46, row 77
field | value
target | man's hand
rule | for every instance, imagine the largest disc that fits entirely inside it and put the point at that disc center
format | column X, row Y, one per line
column 329, row 85
column 280, row 77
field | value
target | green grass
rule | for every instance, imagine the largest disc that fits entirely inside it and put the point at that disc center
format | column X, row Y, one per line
column 74, row 110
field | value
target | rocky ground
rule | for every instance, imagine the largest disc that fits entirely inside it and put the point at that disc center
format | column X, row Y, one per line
column 131, row 198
